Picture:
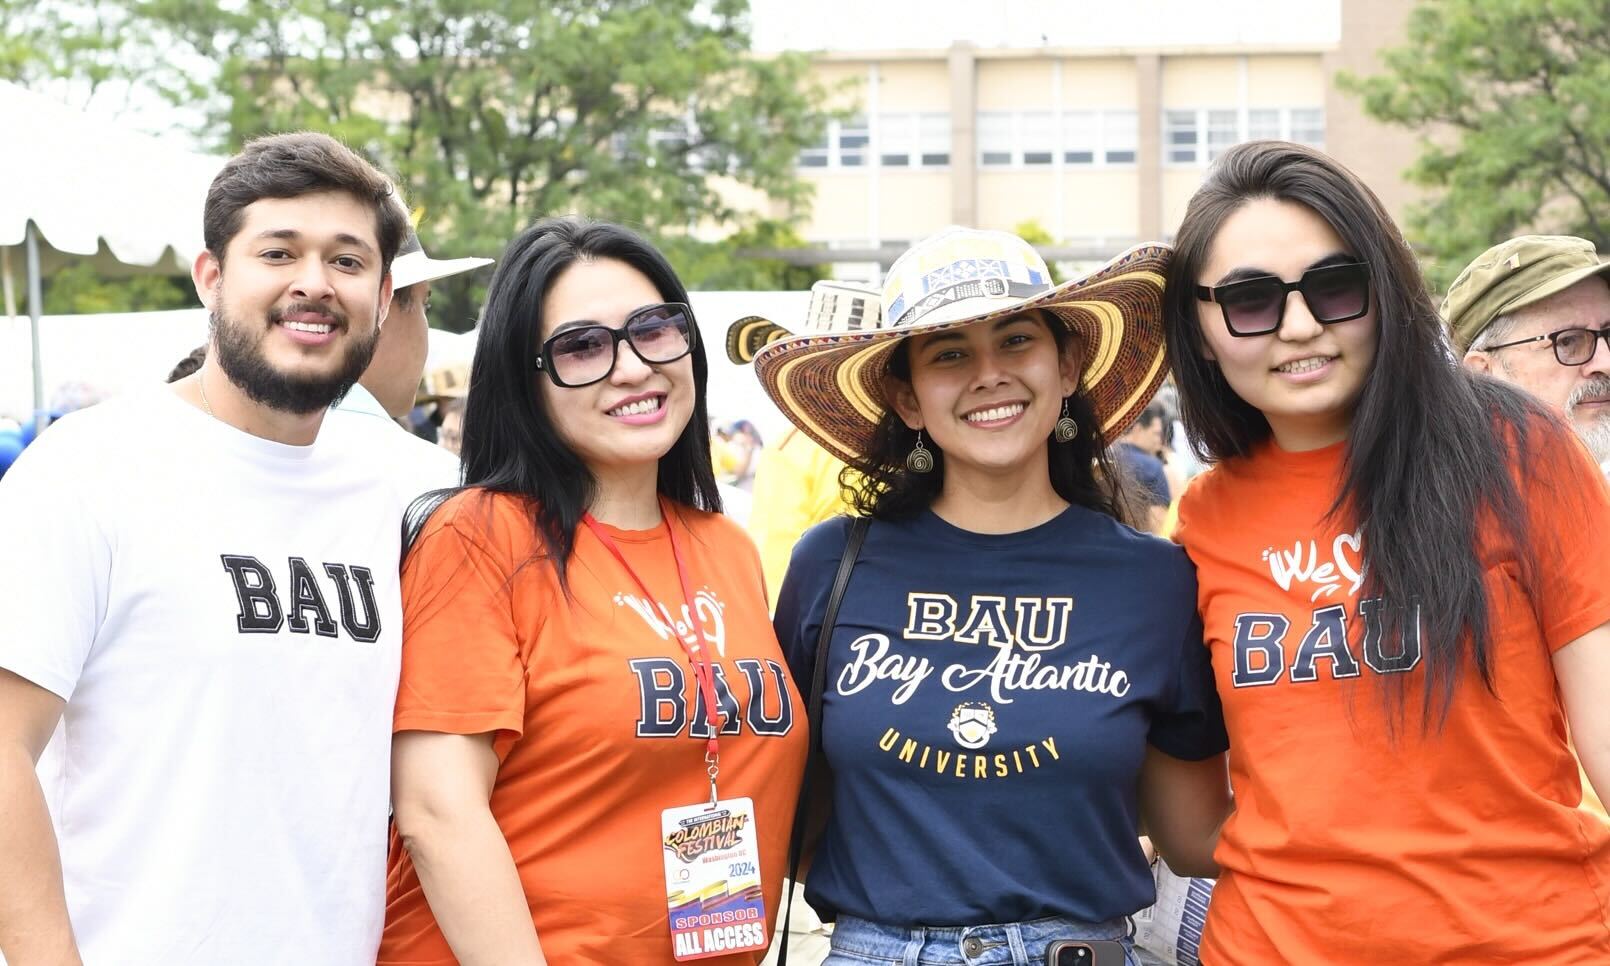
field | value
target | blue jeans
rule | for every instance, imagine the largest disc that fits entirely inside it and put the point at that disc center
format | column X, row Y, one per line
column 857, row 942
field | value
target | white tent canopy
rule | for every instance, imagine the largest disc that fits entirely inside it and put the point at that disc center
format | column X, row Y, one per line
column 116, row 352
column 82, row 181
column 73, row 183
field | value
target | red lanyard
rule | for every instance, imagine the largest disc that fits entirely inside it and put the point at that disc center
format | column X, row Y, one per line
column 698, row 651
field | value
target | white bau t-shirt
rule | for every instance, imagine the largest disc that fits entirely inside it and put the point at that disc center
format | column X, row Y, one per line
column 221, row 614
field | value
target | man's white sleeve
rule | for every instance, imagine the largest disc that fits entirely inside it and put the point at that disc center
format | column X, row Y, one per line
column 55, row 565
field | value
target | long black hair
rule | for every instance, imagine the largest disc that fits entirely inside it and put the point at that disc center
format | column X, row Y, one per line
column 509, row 443
column 1431, row 448
column 881, row 486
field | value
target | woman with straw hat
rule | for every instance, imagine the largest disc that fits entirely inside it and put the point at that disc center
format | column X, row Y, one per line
column 1012, row 678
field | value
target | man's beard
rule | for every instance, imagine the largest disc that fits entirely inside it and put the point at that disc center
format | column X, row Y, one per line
column 240, row 355
column 1596, row 433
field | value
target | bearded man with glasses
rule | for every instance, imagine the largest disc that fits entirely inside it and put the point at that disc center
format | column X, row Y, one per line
column 1534, row 311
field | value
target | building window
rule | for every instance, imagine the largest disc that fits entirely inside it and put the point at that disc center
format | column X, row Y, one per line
column 897, row 139
column 933, row 140
column 848, row 144
column 995, row 139
column 1223, row 133
column 1120, row 136
column 816, row 156
column 1308, row 126
column 853, row 139
column 913, row 140
column 1037, row 134
column 1263, row 124
column 1180, row 138
column 1081, row 137
column 1031, row 139
column 1201, row 136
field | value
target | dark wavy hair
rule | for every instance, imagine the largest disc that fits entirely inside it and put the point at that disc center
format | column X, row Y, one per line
column 292, row 165
column 509, row 443
column 1431, row 448
column 879, row 484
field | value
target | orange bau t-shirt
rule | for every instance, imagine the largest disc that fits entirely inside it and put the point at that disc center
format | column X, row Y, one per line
column 1347, row 846
column 593, row 701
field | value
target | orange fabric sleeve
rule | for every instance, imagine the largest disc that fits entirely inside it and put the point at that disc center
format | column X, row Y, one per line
column 1569, row 505
column 463, row 667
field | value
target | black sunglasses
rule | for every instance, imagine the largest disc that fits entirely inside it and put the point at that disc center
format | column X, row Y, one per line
column 1256, row 306
column 585, row 353
column 1572, row 347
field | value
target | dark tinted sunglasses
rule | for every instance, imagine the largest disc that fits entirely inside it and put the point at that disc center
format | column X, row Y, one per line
column 1256, row 306
column 584, row 354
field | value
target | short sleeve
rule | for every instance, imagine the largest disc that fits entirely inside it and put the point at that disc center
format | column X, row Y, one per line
column 463, row 672
column 803, row 597
column 1189, row 725
column 55, row 569
column 1568, row 504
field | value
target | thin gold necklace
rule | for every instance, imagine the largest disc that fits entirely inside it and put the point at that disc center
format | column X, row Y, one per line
column 201, row 380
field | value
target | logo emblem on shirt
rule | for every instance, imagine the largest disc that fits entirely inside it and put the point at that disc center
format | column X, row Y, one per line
column 972, row 724
column 1301, row 565
column 708, row 610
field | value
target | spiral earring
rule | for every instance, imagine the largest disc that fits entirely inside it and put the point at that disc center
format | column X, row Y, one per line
column 1066, row 429
column 919, row 460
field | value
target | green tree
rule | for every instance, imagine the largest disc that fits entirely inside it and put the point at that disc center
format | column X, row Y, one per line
column 79, row 289
column 1514, row 97
column 717, row 266
column 494, row 113
column 41, row 41
column 1036, row 234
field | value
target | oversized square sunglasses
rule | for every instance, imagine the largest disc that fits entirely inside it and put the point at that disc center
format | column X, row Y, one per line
column 1256, row 306
column 584, row 353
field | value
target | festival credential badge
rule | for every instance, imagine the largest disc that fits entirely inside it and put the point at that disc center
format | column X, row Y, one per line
column 712, row 879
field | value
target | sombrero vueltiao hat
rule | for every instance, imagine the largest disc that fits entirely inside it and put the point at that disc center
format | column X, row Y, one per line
column 835, row 307
column 830, row 384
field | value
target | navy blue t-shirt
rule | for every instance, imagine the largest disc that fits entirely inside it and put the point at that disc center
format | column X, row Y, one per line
column 989, row 701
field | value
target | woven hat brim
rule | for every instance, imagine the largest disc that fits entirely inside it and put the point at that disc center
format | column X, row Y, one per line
column 831, row 385
column 749, row 335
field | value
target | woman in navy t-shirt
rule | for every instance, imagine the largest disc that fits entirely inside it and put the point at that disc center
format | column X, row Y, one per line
column 1016, row 678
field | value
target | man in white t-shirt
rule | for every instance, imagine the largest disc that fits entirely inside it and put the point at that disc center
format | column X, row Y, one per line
column 386, row 390
column 202, row 622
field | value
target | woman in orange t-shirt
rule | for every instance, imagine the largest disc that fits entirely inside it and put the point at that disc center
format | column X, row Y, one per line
column 1401, row 579
column 586, row 646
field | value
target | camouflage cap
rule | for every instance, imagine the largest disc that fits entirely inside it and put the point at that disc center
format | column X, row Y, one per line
column 1512, row 275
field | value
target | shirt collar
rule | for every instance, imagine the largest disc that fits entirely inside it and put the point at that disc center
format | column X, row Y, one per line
column 361, row 400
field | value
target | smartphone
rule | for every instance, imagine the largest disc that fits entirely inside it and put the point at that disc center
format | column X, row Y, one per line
column 1085, row 952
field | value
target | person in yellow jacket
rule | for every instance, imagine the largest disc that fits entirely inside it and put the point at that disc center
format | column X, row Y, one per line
column 796, row 487
column 797, row 481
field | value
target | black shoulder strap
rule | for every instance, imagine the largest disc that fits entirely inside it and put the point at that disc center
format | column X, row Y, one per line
column 813, row 704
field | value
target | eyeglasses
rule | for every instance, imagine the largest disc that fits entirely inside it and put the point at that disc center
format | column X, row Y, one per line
column 1256, row 306
column 1572, row 347
column 584, row 354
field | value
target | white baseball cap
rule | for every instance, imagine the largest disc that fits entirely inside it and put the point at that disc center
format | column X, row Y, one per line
column 412, row 265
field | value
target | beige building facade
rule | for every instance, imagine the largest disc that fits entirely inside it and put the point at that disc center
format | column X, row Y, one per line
column 1099, row 147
